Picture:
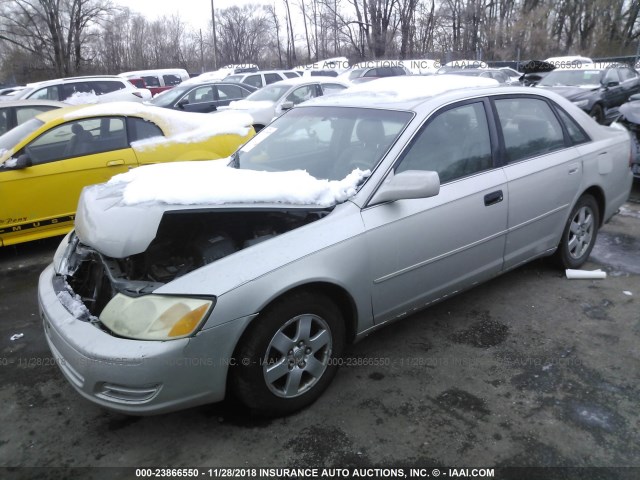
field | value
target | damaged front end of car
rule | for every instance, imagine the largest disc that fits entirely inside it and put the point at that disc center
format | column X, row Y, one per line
column 185, row 241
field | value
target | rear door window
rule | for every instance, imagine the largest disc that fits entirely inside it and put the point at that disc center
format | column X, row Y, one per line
column 529, row 128
column 229, row 92
column 254, row 80
column 271, row 78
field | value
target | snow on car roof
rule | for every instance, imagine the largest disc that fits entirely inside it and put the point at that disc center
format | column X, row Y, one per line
column 213, row 182
column 193, row 126
column 402, row 89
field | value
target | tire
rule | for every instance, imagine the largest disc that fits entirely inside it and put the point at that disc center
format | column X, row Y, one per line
column 287, row 358
column 579, row 234
column 597, row 113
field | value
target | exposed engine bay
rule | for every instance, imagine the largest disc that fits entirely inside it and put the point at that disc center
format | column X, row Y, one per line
column 185, row 241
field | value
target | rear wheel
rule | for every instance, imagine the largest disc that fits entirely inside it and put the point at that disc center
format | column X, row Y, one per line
column 286, row 359
column 580, row 233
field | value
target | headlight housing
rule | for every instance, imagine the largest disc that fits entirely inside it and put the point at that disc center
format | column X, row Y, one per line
column 60, row 257
column 155, row 317
column 581, row 103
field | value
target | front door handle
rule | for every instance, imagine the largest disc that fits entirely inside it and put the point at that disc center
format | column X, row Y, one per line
column 493, row 198
column 115, row 163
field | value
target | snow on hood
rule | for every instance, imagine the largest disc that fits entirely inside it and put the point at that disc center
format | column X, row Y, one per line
column 213, row 182
column 184, row 127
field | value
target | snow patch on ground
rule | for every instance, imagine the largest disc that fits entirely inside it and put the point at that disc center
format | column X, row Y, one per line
column 213, row 182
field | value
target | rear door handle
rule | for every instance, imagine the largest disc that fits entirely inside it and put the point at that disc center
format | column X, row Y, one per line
column 493, row 198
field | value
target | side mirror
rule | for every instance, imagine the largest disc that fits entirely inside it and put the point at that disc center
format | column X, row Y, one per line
column 406, row 185
column 611, row 84
column 635, row 97
column 23, row 161
column 286, row 105
column 183, row 102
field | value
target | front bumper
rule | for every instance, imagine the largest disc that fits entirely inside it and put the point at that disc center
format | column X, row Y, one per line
column 133, row 376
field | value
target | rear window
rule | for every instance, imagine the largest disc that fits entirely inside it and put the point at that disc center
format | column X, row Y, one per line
column 151, row 81
column 106, row 86
column 140, row 129
column 171, row 80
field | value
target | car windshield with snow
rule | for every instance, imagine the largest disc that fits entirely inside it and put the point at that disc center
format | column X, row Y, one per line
column 183, row 283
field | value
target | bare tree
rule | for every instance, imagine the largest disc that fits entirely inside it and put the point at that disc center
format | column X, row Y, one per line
column 53, row 30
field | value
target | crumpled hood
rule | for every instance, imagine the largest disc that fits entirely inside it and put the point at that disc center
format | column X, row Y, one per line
column 121, row 218
column 117, row 230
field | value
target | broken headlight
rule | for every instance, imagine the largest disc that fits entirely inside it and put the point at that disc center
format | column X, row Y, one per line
column 155, row 317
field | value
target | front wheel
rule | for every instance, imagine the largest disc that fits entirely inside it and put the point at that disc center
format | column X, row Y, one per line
column 287, row 357
column 580, row 233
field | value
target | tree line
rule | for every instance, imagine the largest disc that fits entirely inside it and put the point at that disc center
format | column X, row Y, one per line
column 57, row 38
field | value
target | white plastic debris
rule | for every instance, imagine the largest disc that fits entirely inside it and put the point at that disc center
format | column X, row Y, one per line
column 16, row 336
column 627, row 292
column 585, row 274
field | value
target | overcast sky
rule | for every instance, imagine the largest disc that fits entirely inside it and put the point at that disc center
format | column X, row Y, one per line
column 197, row 13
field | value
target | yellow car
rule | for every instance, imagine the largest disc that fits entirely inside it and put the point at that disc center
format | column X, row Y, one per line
column 46, row 161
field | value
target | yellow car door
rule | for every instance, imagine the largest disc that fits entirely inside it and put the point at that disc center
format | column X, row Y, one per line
column 38, row 199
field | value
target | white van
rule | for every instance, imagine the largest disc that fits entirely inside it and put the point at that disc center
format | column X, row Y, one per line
column 159, row 80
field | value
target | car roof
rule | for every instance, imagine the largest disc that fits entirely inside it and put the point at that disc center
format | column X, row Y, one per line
column 29, row 102
column 160, row 116
column 74, row 79
column 307, row 80
column 403, row 92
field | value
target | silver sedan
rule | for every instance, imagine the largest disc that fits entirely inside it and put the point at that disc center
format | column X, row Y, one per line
column 169, row 298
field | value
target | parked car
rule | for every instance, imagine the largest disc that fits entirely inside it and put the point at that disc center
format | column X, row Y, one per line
column 343, row 216
column 13, row 113
column 203, row 98
column 461, row 65
column 8, row 93
column 159, row 80
column 91, row 89
column 261, row 78
column 272, row 100
column 391, row 70
column 630, row 119
column 498, row 75
column 513, row 74
column 597, row 91
column 570, row 61
column 45, row 161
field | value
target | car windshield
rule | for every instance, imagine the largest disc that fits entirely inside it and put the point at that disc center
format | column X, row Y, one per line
column 13, row 136
column 358, row 72
column 572, row 78
column 271, row 93
column 327, row 142
column 168, row 96
column 234, row 78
